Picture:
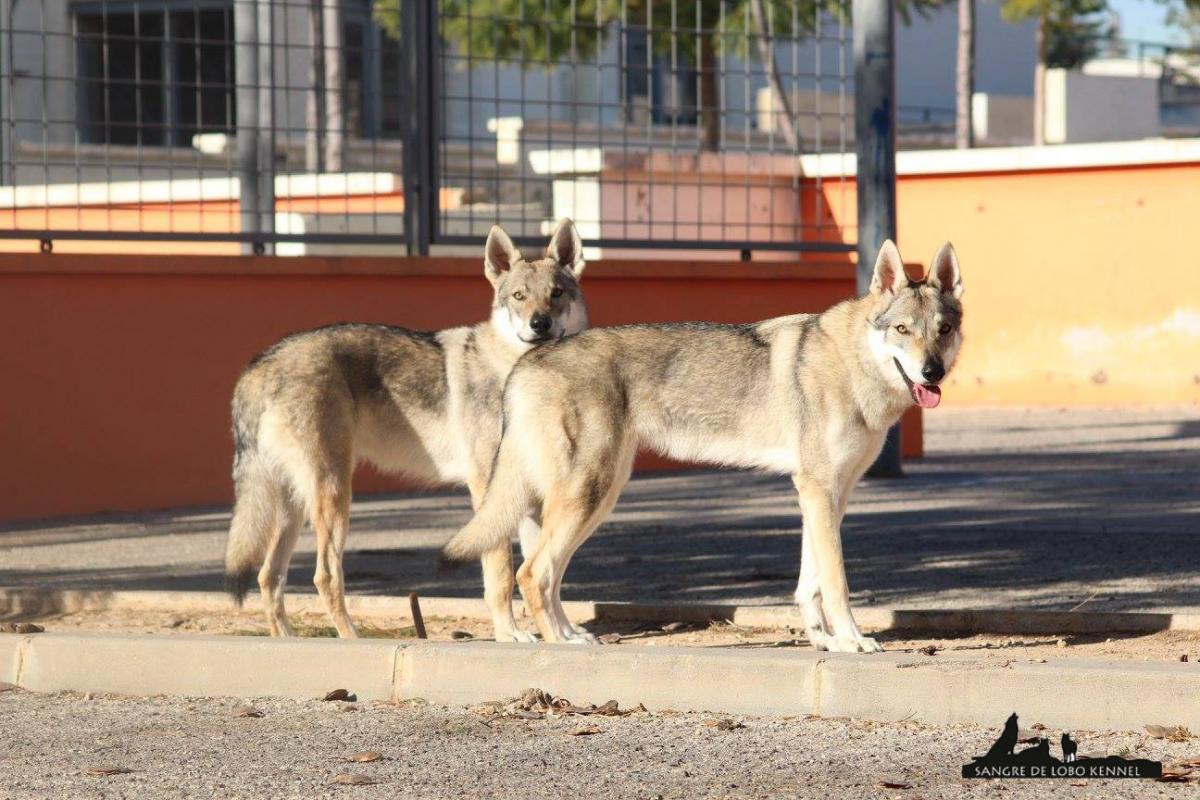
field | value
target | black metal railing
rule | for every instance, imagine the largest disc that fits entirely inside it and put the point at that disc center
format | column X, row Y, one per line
column 292, row 126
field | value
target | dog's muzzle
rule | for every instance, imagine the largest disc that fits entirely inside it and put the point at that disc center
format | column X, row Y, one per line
column 924, row 395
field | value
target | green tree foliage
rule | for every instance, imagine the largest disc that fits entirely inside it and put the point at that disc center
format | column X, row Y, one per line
column 540, row 33
column 1074, row 30
column 532, row 32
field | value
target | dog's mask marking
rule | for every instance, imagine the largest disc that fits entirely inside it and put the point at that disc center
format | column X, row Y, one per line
column 915, row 325
column 537, row 300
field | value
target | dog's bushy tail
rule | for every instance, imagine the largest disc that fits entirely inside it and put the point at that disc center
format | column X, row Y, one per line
column 256, row 513
column 504, row 505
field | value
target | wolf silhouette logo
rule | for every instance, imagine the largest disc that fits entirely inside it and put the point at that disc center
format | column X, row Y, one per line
column 1003, row 760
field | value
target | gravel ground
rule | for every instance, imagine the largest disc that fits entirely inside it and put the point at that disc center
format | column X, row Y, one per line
column 1017, row 508
column 177, row 747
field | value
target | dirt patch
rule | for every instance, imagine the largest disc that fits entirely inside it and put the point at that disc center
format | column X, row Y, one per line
column 1173, row 646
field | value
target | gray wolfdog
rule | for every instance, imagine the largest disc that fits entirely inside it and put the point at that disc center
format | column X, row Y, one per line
column 427, row 405
column 809, row 395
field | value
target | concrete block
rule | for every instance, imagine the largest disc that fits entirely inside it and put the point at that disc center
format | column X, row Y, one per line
column 686, row 679
column 208, row 665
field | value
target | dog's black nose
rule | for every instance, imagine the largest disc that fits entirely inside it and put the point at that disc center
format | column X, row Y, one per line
column 933, row 371
column 540, row 323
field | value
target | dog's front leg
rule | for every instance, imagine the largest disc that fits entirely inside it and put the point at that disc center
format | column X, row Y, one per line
column 498, row 580
column 831, row 597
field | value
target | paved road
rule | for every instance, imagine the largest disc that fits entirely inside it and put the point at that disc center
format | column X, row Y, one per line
column 178, row 748
column 1018, row 508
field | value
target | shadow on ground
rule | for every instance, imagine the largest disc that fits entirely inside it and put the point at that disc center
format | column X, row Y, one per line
column 1116, row 526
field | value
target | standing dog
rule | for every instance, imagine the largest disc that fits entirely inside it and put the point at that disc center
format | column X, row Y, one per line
column 810, row 395
column 427, row 405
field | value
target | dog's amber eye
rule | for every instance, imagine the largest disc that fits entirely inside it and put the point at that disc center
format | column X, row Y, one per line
column 944, row 329
column 901, row 329
column 556, row 293
column 518, row 295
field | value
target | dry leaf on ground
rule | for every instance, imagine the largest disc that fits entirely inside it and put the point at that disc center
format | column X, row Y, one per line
column 585, row 731
column 1173, row 733
column 1175, row 775
column 892, row 783
column 354, row 779
column 529, row 715
column 724, row 724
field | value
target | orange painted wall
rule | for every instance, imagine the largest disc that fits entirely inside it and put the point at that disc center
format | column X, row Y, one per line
column 117, row 370
column 1082, row 285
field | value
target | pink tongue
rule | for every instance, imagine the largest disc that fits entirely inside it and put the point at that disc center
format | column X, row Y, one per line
column 927, row 396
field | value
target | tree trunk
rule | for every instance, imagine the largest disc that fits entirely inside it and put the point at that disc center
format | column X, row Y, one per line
column 710, row 112
column 964, row 131
column 314, row 118
column 1039, row 83
column 782, row 117
column 335, row 116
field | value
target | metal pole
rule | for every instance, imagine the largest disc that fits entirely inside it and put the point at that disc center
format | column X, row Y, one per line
column 430, row 122
column 964, row 93
column 335, row 105
column 7, row 176
column 245, row 55
column 266, row 121
column 409, row 122
column 875, row 137
column 421, row 67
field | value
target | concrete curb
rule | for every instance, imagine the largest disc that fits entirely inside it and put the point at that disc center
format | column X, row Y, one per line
column 20, row 602
column 1075, row 694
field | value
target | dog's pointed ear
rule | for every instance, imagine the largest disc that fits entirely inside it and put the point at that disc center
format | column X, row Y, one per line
column 944, row 274
column 566, row 248
column 499, row 254
column 889, row 270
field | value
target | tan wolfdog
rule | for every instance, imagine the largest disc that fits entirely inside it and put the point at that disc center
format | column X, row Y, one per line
column 423, row 404
column 809, row 395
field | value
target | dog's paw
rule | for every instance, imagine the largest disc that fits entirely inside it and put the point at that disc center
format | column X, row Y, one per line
column 819, row 639
column 516, row 635
column 854, row 644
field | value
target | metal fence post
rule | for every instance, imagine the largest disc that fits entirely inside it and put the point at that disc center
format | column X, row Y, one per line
column 875, row 137
column 419, row 54
column 7, row 171
column 246, row 78
column 265, row 124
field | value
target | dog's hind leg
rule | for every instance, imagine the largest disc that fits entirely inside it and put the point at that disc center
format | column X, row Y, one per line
column 331, row 522
column 566, row 521
column 571, row 513
column 272, row 578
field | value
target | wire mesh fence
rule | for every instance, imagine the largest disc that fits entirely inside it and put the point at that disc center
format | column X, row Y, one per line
column 299, row 126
